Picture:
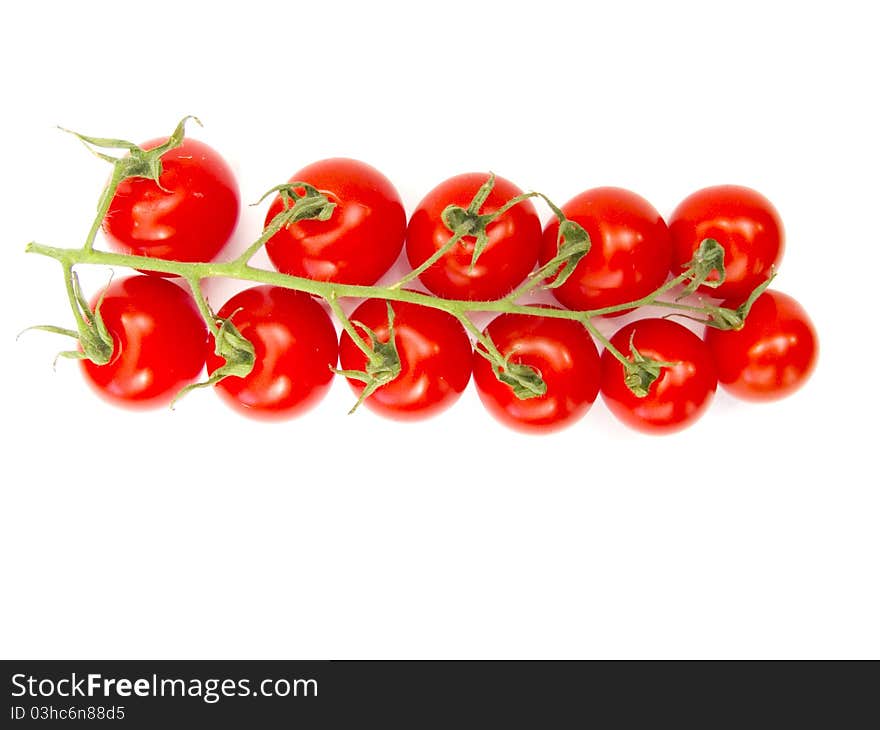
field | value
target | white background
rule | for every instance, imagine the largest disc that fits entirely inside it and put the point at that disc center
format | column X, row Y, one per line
column 199, row 534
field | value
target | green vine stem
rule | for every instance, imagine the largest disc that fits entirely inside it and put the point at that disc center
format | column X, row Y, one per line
column 195, row 286
column 302, row 201
column 310, row 204
column 245, row 272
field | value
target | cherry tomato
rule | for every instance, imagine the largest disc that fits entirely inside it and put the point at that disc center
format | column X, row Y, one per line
column 509, row 256
column 159, row 342
column 772, row 355
column 295, row 347
column 564, row 355
column 682, row 392
column 362, row 238
column 630, row 249
column 435, row 359
column 190, row 217
column 743, row 221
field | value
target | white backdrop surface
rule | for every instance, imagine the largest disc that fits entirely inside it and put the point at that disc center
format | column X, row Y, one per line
column 199, row 534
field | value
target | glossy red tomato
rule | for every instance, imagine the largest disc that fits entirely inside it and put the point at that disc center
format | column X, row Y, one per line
column 630, row 249
column 772, row 355
column 362, row 238
column 683, row 391
column 159, row 342
column 435, row 359
column 295, row 347
column 561, row 351
column 509, row 256
column 190, row 217
column 743, row 221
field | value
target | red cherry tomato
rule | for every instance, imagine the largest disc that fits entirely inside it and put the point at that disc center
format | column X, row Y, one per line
column 159, row 342
column 362, row 238
column 435, row 359
column 564, row 355
column 683, row 391
column 295, row 347
column 514, row 241
column 743, row 221
column 772, row 355
column 189, row 216
column 630, row 249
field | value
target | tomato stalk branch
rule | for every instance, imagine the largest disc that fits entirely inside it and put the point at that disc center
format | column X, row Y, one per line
column 490, row 352
column 649, row 299
column 302, row 201
column 274, row 226
column 430, row 261
column 208, row 315
column 237, row 270
column 336, row 308
column 309, row 205
column 525, row 385
column 524, row 380
column 552, row 268
column 96, row 342
column 104, row 206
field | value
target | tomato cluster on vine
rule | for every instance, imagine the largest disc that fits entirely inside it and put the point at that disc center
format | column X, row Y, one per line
column 475, row 243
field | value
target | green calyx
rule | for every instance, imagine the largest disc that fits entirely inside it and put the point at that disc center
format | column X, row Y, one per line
column 308, row 205
column 525, row 381
column 235, row 349
column 640, row 371
column 468, row 222
column 725, row 318
column 383, row 360
column 708, row 258
column 138, row 162
column 572, row 244
column 95, row 341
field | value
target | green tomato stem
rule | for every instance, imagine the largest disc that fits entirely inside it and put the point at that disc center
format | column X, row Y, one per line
column 491, row 352
column 195, row 286
column 333, row 301
column 429, row 262
column 535, row 279
column 605, row 342
column 251, row 250
column 104, row 206
column 241, row 271
column 646, row 300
